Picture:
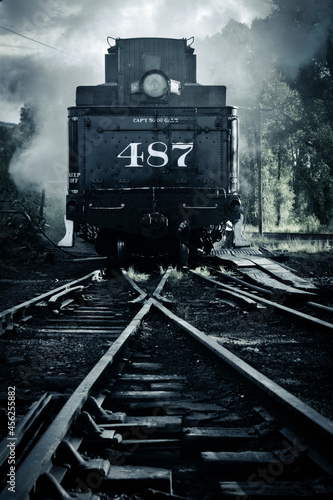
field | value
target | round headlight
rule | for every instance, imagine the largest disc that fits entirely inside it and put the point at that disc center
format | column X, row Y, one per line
column 155, row 84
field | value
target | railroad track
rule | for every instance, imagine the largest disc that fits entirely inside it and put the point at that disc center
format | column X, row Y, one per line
column 161, row 416
column 325, row 237
column 253, row 296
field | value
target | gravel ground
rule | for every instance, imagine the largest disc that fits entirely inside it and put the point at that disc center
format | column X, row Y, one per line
column 28, row 276
column 298, row 359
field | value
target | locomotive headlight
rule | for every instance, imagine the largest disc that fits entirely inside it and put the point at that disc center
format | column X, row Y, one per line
column 155, row 84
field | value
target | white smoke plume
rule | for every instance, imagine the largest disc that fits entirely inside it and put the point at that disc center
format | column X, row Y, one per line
column 32, row 71
column 36, row 73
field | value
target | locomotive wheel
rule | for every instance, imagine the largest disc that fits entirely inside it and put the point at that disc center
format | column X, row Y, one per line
column 105, row 244
column 122, row 257
column 183, row 255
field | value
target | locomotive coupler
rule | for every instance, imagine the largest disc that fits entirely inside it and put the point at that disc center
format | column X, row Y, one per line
column 154, row 225
column 183, row 232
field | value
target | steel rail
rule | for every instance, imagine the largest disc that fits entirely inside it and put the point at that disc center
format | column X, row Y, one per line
column 18, row 313
column 26, row 426
column 296, row 236
column 321, row 307
column 157, row 293
column 286, row 310
column 256, row 288
column 317, row 427
column 142, row 294
column 38, row 461
column 264, row 291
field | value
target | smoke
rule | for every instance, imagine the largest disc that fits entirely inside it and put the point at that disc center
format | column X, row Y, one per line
column 297, row 33
column 50, row 87
column 46, row 77
column 78, row 29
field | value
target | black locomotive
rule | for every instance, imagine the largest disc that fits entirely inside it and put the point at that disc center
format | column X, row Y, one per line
column 153, row 155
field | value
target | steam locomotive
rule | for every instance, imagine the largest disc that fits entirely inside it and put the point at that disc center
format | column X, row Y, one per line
column 153, row 156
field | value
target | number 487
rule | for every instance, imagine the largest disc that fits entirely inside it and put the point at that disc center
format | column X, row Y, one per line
column 157, row 155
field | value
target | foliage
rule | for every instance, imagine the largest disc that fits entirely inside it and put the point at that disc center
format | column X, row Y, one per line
column 291, row 115
column 7, row 149
column 19, row 209
column 279, row 72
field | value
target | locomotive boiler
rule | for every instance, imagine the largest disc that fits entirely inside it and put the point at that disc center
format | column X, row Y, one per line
column 153, row 156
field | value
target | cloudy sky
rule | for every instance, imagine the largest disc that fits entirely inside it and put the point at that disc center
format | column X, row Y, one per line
column 79, row 28
column 30, row 70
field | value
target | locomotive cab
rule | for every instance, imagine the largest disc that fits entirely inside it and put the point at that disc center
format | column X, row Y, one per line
column 153, row 155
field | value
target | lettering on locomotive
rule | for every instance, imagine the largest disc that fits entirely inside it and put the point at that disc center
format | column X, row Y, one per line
column 153, row 152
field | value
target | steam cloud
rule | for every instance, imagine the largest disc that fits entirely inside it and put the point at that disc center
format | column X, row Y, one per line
column 33, row 72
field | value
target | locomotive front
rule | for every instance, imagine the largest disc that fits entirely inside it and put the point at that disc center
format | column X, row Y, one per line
column 153, row 155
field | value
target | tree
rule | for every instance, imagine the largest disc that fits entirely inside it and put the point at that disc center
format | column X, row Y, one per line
column 275, row 123
column 7, row 149
column 15, row 204
column 314, row 168
column 296, row 42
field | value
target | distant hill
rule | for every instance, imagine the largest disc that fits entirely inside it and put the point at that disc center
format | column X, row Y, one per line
column 9, row 125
